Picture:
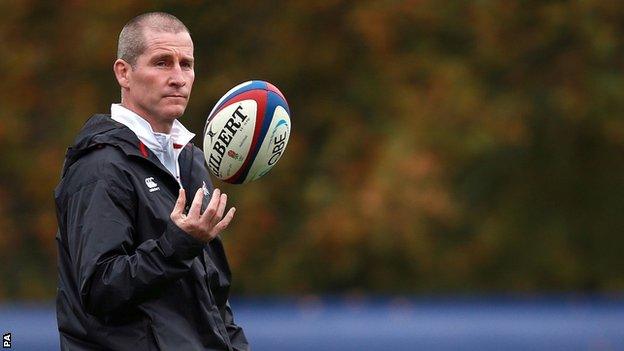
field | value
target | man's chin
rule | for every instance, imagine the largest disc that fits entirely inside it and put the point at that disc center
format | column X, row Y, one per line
column 174, row 112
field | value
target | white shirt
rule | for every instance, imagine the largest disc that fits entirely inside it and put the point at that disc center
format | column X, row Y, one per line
column 161, row 144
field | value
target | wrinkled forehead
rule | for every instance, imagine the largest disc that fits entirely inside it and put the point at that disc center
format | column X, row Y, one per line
column 165, row 41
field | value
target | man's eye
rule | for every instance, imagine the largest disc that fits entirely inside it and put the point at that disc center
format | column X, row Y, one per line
column 161, row 63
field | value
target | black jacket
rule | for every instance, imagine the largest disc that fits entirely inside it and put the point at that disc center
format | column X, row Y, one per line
column 130, row 279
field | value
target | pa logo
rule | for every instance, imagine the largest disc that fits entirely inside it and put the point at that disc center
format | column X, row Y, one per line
column 6, row 341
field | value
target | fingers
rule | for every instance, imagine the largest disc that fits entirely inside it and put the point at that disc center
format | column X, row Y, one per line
column 197, row 203
column 205, row 226
column 212, row 207
column 224, row 223
column 178, row 209
column 220, row 210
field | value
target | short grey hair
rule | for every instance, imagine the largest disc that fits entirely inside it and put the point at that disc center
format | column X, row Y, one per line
column 132, row 39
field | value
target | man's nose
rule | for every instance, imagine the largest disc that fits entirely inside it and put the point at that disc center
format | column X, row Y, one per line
column 177, row 78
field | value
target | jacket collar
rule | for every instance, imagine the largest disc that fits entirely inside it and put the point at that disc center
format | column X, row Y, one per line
column 102, row 130
column 158, row 142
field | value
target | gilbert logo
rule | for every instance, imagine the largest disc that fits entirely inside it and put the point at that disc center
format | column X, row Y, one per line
column 151, row 184
column 6, row 341
column 211, row 134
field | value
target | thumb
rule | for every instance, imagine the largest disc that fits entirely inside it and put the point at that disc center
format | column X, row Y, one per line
column 179, row 205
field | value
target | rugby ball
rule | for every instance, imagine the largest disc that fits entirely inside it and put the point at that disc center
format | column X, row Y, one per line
column 246, row 132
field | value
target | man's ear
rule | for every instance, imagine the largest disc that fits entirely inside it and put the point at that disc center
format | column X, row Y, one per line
column 122, row 71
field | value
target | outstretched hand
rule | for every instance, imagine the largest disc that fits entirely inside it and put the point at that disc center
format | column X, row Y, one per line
column 202, row 226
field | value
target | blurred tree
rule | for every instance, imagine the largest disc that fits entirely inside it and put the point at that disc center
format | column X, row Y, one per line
column 437, row 146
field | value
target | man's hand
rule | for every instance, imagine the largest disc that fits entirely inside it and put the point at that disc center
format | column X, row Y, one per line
column 202, row 226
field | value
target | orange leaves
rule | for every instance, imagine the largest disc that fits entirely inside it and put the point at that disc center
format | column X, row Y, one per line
column 435, row 144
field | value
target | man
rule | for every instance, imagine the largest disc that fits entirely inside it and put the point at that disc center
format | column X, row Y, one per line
column 141, row 265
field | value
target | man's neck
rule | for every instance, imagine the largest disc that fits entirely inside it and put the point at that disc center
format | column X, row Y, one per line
column 162, row 127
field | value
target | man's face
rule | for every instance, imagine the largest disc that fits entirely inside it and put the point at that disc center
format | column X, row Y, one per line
column 159, row 84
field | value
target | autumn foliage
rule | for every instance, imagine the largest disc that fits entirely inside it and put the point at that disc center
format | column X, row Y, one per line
column 437, row 146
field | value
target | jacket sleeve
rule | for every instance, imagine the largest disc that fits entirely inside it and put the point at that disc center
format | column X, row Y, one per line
column 235, row 333
column 100, row 234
